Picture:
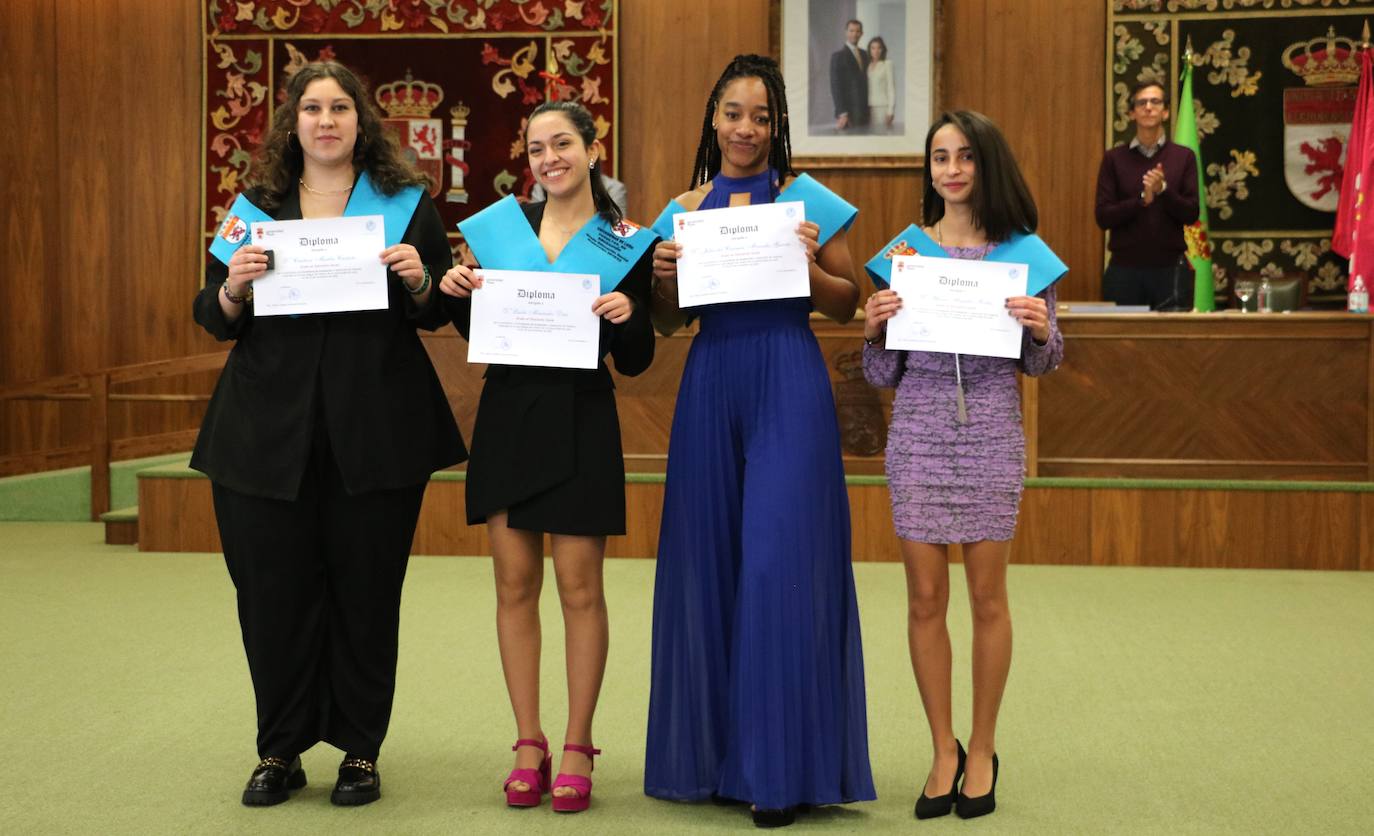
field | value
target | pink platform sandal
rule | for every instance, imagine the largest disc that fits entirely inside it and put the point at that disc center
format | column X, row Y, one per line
column 536, row 779
column 583, row 799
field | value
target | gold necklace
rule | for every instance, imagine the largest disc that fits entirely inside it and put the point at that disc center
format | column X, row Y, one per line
column 940, row 240
column 306, row 186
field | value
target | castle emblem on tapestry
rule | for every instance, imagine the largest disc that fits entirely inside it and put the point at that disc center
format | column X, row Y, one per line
column 453, row 78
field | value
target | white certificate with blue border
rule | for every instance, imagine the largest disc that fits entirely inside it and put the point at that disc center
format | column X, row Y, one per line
column 522, row 318
column 956, row 306
column 741, row 254
column 324, row 265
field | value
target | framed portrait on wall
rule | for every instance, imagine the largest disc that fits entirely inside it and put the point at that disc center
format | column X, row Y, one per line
column 861, row 79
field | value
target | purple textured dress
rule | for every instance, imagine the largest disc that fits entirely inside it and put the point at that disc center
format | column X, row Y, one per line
column 952, row 482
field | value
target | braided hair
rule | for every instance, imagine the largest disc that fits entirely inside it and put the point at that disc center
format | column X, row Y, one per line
column 766, row 70
column 585, row 126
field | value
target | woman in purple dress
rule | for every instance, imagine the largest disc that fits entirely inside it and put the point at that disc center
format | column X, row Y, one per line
column 956, row 451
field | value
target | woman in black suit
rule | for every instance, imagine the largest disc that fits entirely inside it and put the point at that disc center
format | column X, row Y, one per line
column 546, row 455
column 321, row 436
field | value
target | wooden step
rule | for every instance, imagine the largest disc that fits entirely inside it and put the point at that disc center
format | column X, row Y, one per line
column 1094, row 521
column 121, row 526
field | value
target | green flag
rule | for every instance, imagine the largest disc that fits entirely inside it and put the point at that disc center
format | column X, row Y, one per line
column 1199, row 246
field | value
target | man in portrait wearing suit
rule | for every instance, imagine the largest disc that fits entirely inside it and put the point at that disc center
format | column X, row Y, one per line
column 849, row 80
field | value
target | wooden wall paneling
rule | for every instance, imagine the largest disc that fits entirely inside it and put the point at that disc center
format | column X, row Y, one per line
column 873, row 537
column 443, row 526
column 1366, row 541
column 1054, row 527
column 156, row 210
column 1100, row 526
column 1116, row 528
column 643, row 514
column 1312, row 531
column 176, row 515
column 1036, row 68
column 1201, row 523
column 1224, row 396
column 670, row 56
column 30, row 219
column 887, row 199
column 93, row 147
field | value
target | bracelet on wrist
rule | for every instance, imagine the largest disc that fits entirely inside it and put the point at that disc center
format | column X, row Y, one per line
column 424, row 285
column 875, row 340
column 237, row 300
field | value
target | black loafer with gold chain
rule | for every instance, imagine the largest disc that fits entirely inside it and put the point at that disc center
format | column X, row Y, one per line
column 359, row 783
column 272, row 781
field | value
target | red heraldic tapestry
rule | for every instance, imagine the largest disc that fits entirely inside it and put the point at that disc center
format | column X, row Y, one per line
column 454, row 78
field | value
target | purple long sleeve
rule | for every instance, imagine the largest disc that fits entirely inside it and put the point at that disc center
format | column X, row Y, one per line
column 882, row 367
column 1037, row 359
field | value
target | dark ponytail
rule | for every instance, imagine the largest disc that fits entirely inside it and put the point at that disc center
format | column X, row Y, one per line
column 585, row 126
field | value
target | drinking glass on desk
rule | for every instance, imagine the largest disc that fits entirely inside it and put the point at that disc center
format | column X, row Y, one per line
column 1243, row 291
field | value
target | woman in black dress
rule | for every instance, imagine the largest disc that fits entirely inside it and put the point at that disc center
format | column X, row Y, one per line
column 547, row 456
column 321, row 436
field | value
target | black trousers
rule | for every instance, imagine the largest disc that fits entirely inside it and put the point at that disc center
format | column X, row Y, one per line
column 319, row 600
column 1158, row 287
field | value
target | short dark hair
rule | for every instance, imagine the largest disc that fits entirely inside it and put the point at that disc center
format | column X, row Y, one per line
column 853, row 21
column 582, row 122
column 878, row 39
column 1002, row 202
column 1144, row 83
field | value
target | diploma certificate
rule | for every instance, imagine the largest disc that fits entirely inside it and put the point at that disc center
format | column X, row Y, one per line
column 956, row 306
column 324, row 265
column 535, row 319
column 741, row 254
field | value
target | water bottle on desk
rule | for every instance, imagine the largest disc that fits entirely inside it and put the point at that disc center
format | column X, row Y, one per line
column 1265, row 302
column 1359, row 297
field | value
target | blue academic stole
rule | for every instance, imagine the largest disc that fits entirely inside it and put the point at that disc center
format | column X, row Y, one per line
column 501, row 239
column 824, row 208
column 396, row 211
column 1045, row 266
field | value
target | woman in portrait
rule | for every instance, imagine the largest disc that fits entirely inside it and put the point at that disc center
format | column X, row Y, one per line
column 882, row 87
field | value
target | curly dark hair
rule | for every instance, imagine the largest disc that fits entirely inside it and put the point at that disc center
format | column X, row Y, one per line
column 766, row 70
column 1002, row 202
column 278, row 162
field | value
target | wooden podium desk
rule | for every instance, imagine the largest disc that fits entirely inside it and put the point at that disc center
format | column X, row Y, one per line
column 1206, row 396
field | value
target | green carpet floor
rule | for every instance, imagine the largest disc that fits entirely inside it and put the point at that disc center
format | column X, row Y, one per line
column 1140, row 701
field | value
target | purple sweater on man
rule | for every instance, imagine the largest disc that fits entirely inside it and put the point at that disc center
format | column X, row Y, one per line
column 1146, row 236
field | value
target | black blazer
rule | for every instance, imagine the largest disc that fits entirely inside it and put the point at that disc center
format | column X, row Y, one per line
column 849, row 85
column 365, row 374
